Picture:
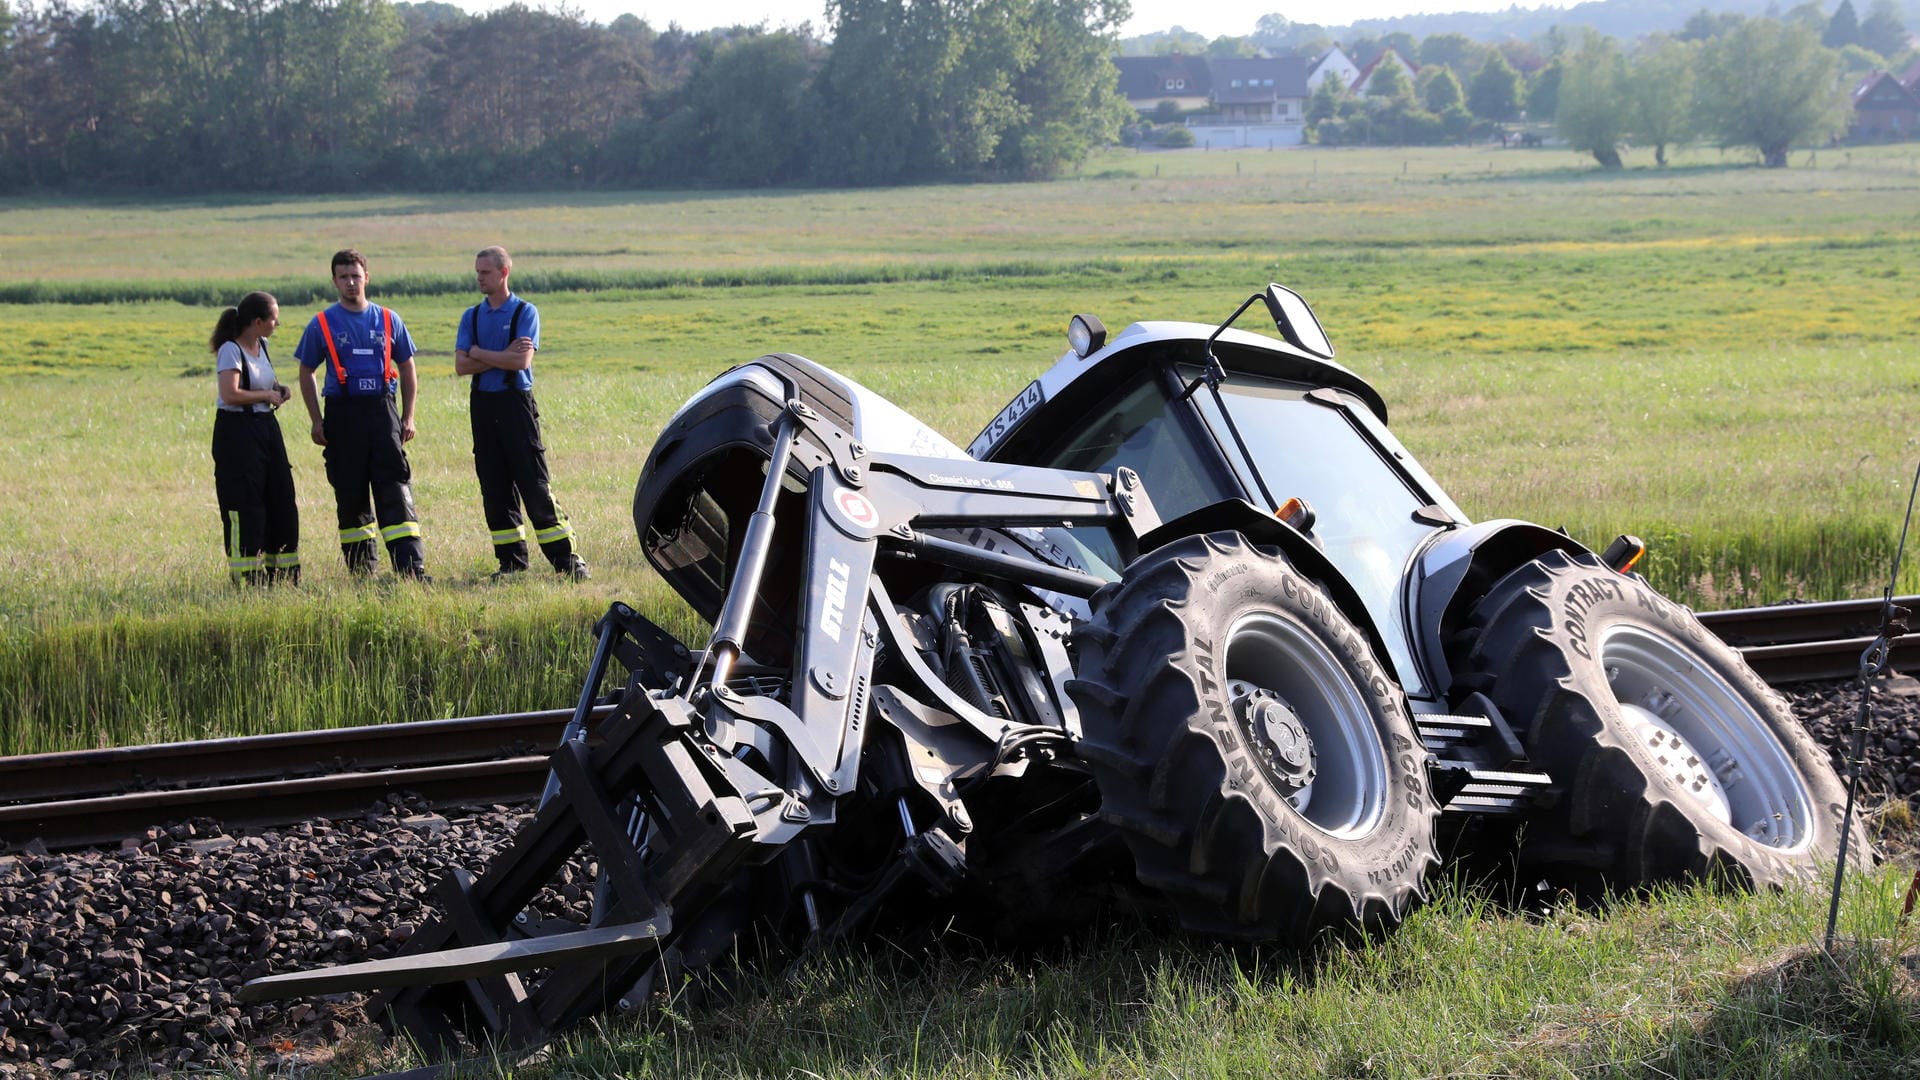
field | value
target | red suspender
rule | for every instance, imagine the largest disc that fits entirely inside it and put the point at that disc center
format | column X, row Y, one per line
column 391, row 374
column 339, row 371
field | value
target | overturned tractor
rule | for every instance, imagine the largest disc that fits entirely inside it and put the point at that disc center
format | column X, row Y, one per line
column 1187, row 627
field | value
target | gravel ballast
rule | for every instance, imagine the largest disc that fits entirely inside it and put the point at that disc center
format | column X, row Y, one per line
column 128, row 960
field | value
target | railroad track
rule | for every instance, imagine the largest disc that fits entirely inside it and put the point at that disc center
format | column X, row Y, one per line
column 89, row 797
column 93, row 797
column 1790, row 643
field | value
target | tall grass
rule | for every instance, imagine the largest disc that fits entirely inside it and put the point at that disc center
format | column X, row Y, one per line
column 271, row 663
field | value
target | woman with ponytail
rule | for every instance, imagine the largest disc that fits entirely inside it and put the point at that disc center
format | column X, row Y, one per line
column 259, row 516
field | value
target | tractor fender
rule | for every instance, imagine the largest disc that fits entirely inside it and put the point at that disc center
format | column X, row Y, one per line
column 1455, row 571
column 1265, row 529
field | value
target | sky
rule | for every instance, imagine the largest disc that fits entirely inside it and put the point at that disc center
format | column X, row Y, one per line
column 1212, row 18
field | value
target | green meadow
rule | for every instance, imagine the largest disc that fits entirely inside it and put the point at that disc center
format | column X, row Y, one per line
column 1713, row 356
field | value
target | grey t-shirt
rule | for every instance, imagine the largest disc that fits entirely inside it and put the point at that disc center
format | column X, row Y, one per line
column 259, row 374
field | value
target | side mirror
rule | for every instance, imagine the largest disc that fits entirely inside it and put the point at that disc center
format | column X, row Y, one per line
column 1295, row 321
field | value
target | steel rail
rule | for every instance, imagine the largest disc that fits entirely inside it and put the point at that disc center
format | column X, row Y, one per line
column 1816, row 661
column 92, row 797
column 1788, row 643
column 90, row 822
column 1783, row 624
column 121, row 770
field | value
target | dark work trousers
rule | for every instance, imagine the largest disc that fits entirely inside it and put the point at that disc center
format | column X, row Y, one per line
column 259, row 516
column 364, row 453
column 511, row 462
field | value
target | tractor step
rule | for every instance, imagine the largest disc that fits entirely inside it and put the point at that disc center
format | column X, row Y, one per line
column 1497, row 792
column 1479, row 766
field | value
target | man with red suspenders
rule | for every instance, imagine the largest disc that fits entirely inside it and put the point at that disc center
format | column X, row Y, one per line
column 367, row 355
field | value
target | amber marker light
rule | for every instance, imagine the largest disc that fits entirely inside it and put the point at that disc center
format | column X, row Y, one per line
column 1624, row 553
column 1297, row 513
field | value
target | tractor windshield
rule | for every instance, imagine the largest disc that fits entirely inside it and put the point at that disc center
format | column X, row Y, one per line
column 1314, row 448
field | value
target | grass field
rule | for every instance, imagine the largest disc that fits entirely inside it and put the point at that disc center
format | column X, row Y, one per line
column 1716, row 357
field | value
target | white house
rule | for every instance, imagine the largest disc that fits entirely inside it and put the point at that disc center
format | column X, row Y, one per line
column 1334, row 61
column 1390, row 56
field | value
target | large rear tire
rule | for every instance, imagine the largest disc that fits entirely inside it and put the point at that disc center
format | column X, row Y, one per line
column 1674, row 760
column 1253, row 752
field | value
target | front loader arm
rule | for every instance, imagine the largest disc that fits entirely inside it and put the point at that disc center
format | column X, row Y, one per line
column 693, row 780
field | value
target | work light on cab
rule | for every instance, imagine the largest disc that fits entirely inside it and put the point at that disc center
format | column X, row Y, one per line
column 1085, row 333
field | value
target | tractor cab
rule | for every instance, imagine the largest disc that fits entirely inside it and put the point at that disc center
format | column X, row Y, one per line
column 1214, row 415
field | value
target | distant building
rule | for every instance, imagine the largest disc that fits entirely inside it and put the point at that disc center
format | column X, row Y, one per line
column 1146, row 81
column 1885, row 107
column 1333, row 62
column 1263, row 91
column 1388, row 56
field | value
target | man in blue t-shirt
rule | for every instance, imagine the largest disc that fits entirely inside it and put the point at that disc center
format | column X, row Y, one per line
column 495, row 344
column 366, row 354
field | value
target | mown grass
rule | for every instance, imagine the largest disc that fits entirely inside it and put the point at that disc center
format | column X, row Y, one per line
column 1717, row 358
column 1122, row 204
column 1691, row 982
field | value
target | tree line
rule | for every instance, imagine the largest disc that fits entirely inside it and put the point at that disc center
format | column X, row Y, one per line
column 1766, row 83
column 1761, row 83
column 332, row 95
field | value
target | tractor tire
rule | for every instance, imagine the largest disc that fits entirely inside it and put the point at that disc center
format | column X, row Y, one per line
column 1674, row 761
column 1254, row 754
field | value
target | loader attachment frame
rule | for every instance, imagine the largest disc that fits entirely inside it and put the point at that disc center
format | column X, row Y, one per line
column 695, row 778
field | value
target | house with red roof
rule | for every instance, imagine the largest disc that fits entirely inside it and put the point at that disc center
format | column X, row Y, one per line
column 1885, row 107
column 1390, row 55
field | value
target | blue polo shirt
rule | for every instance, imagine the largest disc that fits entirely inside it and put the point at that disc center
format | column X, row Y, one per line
column 492, row 327
column 359, row 337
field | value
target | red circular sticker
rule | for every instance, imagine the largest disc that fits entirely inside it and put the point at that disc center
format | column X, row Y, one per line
column 858, row 509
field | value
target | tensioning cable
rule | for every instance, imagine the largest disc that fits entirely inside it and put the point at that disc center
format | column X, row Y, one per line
column 1872, row 663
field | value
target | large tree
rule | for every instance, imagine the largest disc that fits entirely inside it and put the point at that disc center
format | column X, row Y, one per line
column 1594, row 101
column 1067, row 88
column 518, row 90
column 1389, row 81
column 1768, row 85
column 1882, row 31
column 744, row 123
column 1495, row 92
column 1843, row 29
column 1324, row 104
column 1543, row 90
column 1704, row 25
column 1661, row 90
column 1808, row 13
column 915, row 89
column 1439, row 89
column 1457, row 51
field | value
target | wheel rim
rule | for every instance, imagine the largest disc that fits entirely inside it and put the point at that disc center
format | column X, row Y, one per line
column 1270, row 659
column 1704, row 737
